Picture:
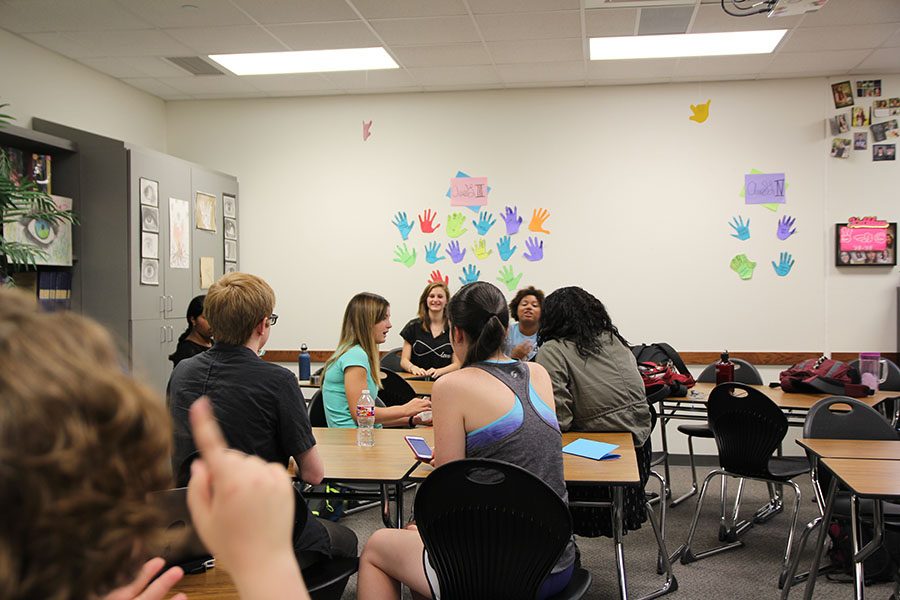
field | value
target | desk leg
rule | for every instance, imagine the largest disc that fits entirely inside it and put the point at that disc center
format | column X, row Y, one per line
column 820, row 542
column 859, row 577
column 665, row 449
column 386, row 506
column 618, row 524
column 398, row 489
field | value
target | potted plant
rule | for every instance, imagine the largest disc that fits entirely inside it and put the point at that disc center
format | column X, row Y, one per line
column 20, row 198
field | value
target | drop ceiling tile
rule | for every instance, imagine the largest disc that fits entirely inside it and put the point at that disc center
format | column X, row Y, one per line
column 227, row 95
column 31, row 16
column 208, row 84
column 609, row 22
column 545, row 72
column 455, row 76
column 157, row 88
column 441, row 56
column 112, row 67
column 530, row 26
column 632, row 69
column 293, row 82
column 146, row 42
column 187, row 13
column 854, row 12
column 628, row 81
column 325, row 36
column 153, row 66
column 226, row 40
column 813, row 39
column 710, row 18
column 388, row 90
column 816, row 63
column 886, row 60
column 545, row 84
column 62, row 44
column 721, row 66
column 424, row 31
column 464, row 88
column 291, row 94
column 379, row 9
column 273, row 12
column 537, row 51
column 894, row 40
column 481, row 7
column 703, row 79
column 376, row 79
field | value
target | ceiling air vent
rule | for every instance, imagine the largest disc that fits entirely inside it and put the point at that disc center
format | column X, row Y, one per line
column 194, row 65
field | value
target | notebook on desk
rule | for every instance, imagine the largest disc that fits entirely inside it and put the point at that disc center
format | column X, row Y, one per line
column 179, row 544
column 591, row 449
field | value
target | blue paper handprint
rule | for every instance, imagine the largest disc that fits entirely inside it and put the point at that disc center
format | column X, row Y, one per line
column 403, row 224
column 534, row 249
column 512, row 220
column 785, row 227
column 455, row 253
column 431, row 253
column 485, row 221
column 470, row 275
column 785, row 263
column 503, row 247
column 742, row 230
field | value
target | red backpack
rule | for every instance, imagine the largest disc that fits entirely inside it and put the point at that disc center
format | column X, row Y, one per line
column 824, row 376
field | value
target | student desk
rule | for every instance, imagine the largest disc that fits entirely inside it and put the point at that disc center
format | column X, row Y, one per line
column 872, row 449
column 420, row 387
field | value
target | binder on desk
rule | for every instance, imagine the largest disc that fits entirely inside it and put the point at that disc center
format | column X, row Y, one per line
column 591, row 449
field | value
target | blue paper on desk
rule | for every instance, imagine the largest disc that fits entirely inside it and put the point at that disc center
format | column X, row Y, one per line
column 591, row 449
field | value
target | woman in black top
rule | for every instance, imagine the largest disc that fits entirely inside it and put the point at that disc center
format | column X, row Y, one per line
column 197, row 337
column 426, row 339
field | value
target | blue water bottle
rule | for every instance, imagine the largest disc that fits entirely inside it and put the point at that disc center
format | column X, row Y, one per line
column 303, row 363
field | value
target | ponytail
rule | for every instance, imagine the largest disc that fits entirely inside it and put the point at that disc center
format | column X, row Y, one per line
column 479, row 309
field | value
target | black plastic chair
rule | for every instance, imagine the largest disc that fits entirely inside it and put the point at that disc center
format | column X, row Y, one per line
column 493, row 530
column 316, row 410
column 744, row 372
column 391, row 360
column 748, row 428
column 394, row 389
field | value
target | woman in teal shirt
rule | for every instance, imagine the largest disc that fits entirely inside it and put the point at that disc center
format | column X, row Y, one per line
column 356, row 363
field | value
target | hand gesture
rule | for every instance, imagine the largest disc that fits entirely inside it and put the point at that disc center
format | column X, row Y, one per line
column 522, row 350
column 470, row 275
column 480, row 249
column 418, row 371
column 436, row 277
column 784, row 227
column 402, row 224
column 423, row 418
column 485, row 221
column 139, row 588
column 431, row 253
column 404, row 256
column 743, row 266
column 509, row 278
column 455, row 225
column 456, row 254
column 534, row 249
column 742, row 230
column 426, row 221
column 512, row 220
column 538, row 216
column 416, row 405
column 784, row 265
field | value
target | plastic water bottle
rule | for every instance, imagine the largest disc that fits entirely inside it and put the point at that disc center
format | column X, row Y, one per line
column 365, row 419
column 303, row 363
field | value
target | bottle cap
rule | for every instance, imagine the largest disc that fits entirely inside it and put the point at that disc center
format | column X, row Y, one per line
column 302, row 347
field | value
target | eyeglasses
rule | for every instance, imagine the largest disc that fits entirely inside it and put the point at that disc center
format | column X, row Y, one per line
column 273, row 318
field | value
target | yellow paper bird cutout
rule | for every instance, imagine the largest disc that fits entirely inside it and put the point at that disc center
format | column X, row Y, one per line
column 701, row 112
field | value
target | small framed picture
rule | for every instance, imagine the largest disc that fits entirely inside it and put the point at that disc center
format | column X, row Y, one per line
column 230, row 229
column 150, row 219
column 149, row 192
column 205, row 211
column 861, row 140
column 229, row 208
column 149, row 245
column 230, row 267
column 882, row 152
column 842, row 93
column 230, row 251
column 149, row 271
column 840, row 147
column 867, row 88
column 865, row 247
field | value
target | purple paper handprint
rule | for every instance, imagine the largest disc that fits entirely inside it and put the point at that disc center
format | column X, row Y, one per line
column 455, row 253
column 785, row 226
column 534, row 249
column 512, row 220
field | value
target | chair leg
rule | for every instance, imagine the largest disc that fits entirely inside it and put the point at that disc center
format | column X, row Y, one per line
column 785, row 563
column 792, row 578
column 693, row 489
column 660, row 563
column 671, row 584
column 687, row 555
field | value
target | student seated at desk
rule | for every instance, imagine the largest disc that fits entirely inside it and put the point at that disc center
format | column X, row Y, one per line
column 525, row 309
column 494, row 407
column 349, row 370
column 426, row 339
column 81, row 446
column 197, row 337
column 597, row 387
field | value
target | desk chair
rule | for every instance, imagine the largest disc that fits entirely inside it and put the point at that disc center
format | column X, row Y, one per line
column 394, row 389
column 748, row 428
column 391, row 360
column 860, row 422
column 744, row 372
column 494, row 530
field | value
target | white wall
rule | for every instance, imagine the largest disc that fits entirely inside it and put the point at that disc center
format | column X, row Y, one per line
column 640, row 200
column 38, row 83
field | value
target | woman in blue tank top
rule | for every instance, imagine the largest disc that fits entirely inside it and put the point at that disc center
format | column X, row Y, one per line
column 494, row 407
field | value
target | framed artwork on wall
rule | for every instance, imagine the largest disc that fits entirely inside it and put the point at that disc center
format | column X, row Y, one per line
column 865, row 246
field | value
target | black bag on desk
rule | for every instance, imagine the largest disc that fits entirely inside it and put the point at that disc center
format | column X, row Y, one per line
column 881, row 566
column 659, row 363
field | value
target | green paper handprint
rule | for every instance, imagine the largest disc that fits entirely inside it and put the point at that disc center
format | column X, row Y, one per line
column 404, row 256
column 509, row 278
column 455, row 224
column 743, row 266
column 480, row 249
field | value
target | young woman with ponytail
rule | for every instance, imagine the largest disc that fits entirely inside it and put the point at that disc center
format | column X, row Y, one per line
column 493, row 407
column 197, row 338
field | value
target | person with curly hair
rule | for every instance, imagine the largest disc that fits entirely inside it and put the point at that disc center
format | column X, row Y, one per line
column 525, row 310
column 597, row 387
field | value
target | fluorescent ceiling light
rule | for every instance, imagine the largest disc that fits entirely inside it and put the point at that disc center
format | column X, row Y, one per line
column 685, row 44
column 307, row 61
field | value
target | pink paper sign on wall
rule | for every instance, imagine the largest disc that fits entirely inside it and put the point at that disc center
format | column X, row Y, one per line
column 468, row 191
column 862, row 239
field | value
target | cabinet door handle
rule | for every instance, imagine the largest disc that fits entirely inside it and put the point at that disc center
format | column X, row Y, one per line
column 169, row 302
column 162, row 304
column 171, row 333
column 162, row 335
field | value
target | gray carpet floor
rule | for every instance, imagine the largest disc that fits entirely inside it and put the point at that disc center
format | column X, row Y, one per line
column 747, row 572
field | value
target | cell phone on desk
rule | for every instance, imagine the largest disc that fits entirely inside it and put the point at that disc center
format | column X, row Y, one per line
column 420, row 448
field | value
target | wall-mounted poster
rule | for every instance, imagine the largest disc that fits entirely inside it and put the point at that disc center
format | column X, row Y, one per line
column 179, row 234
column 150, row 219
column 230, row 251
column 149, row 245
column 869, row 246
column 149, row 271
column 54, row 239
column 230, row 267
column 230, row 229
column 229, row 206
column 205, row 211
column 149, row 192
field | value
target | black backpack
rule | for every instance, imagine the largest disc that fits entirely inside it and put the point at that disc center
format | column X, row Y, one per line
column 882, row 565
column 661, row 354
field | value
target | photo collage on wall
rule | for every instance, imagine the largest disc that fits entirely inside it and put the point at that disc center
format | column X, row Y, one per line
column 879, row 118
column 148, row 190
column 229, row 210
